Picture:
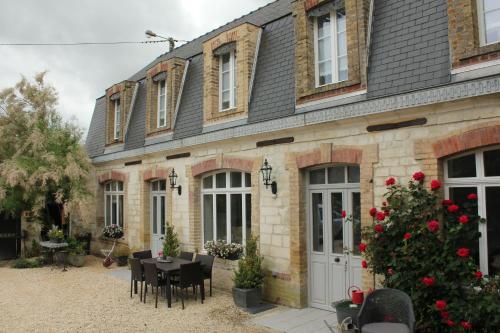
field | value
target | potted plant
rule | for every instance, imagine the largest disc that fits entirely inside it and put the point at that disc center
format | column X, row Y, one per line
column 170, row 244
column 249, row 277
column 223, row 250
column 113, row 232
column 55, row 234
column 76, row 256
column 121, row 254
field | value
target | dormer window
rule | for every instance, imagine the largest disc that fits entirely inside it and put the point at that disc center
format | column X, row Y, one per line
column 489, row 21
column 118, row 116
column 330, row 48
column 162, row 104
column 227, row 80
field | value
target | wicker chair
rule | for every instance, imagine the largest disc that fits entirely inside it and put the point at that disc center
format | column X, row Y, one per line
column 152, row 278
column 387, row 311
column 137, row 275
column 143, row 254
column 187, row 256
column 191, row 275
column 208, row 263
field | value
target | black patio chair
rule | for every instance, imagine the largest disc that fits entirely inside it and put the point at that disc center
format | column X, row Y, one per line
column 208, row 262
column 136, row 275
column 152, row 278
column 142, row 254
column 187, row 256
column 191, row 275
column 387, row 311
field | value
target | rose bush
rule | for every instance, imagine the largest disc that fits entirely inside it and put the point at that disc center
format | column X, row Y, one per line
column 426, row 248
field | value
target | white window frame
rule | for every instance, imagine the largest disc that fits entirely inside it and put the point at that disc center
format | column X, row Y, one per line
column 118, row 119
column 481, row 13
column 480, row 182
column 228, row 190
column 161, row 195
column 334, row 57
column 113, row 192
column 159, row 111
column 232, row 81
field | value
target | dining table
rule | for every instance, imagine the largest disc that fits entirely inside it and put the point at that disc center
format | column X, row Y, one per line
column 169, row 269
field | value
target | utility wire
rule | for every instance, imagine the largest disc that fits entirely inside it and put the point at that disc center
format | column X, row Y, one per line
column 82, row 43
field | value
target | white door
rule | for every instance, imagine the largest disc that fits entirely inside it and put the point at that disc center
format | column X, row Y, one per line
column 157, row 215
column 333, row 242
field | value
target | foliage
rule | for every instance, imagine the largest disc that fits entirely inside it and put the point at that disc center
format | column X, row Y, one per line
column 75, row 247
column 112, row 231
column 55, row 233
column 249, row 274
column 221, row 249
column 171, row 245
column 27, row 263
column 41, row 158
column 35, row 249
column 427, row 249
column 121, row 251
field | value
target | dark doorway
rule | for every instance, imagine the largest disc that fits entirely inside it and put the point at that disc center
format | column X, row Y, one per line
column 10, row 237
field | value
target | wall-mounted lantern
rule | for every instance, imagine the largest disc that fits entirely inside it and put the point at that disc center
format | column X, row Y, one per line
column 266, row 170
column 173, row 181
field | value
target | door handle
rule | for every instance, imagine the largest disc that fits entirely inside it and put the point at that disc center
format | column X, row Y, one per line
column 337, row 259
column 161, row 238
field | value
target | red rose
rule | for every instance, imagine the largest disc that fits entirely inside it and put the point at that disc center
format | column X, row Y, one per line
column 463, row 252
column 390, row 181
column 435, row 184
column 344, row 214
column 453, row 208
column 387, row 212
column 364, row 264
column 378, row 228
column 450, row 323
column 479, row 275
column 428, row 281
column 373, row 211
column 407, row 235
column 445, row 314
column 463, row 219
column 418, row 176
column 446, row 202
column 362, row 247
column 466, row 325
column 472, row 196
column 441, row 304
column 380, row 216
column 433, row 226
column 390, row 271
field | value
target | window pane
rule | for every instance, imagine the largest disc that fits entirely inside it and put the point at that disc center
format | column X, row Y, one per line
column 336, row 175
column 341, row 26
column 317, row 222
column 162, row 103
column 464, row 166
column 220, row 180
column 236, row 218
column 325, row 72
column 324, row 26
column 356, row 222
column 342, row 44
column 225, row 62
column 317, row 176
column 248, row 209
column 343, row 72
column 337, row 224
column 108, row 210
column 108, row 187
column 492, row 28
column 248, row 180
column 162, row 215
column 493, row 227
column 208, row 182
column 120, row 186
column 225, row 105
column 208, row 217
column 324, row 49
column 114, row 209
column 221, row 211
column 120, row 211
column 163, row 185
column 225, row 81
column 491, row 4
column 353, row 174
column 492, row 163
column 235, row 179
column 155, row 214
column 154, row 186
column 113, row 186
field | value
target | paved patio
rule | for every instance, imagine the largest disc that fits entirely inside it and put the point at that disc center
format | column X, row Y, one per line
column 299, row 321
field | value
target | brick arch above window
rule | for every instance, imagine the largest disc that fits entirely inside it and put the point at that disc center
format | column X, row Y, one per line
column 327, row 154
column 155, row 173
column 222, row 162
column 112, row 175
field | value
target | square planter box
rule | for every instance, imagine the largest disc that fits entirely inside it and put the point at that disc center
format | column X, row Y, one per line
column 247, row 298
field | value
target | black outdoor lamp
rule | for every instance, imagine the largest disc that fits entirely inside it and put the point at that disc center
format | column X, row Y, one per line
column 173, row 180
column 266, row 177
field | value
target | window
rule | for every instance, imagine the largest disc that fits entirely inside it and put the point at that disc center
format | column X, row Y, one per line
column 118, row 119
column 479, row 173
column 227, row 81
column 227, row 206
column 337, row 174
column 113, row 203
column 330, row 46
column 489, row 21
column 162, row 104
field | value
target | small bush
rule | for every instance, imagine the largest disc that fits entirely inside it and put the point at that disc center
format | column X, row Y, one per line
column 249, row 274
column 27, row 263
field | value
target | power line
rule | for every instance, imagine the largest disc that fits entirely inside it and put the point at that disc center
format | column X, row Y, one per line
column 83, row 43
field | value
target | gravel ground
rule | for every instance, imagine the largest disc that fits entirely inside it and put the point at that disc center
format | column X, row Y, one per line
column 89, row 300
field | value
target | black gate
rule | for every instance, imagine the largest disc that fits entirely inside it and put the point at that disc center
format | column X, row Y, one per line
column 10, row 237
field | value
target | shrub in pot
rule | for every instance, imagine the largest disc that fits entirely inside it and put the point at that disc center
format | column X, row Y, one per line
column 121, row 254
column 55, row 234
column 248, row 279
column 76, row 256
column 171, row 245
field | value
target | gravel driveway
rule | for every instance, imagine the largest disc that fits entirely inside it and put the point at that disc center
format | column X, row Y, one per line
column 89, row 300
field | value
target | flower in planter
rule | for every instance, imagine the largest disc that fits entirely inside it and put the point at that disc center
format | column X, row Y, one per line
column 464, row 219
column 453, row 208
column 390, row 181
column 112, row 231
column 428, row 281
column 463, row 252
column 478, row 275
column 441, row 304
column 419, row 176
column 433, row 226
column 435, row 184
column 472, row 196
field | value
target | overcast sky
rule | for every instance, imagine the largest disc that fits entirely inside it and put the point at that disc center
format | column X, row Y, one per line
column 82, row 73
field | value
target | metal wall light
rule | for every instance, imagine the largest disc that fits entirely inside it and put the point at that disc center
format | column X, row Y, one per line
column 266, row 171
column 173, row 181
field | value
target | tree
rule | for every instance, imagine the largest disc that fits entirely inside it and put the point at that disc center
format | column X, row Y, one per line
column 41, row 157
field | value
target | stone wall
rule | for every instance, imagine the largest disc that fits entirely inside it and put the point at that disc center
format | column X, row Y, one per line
column 126, row 91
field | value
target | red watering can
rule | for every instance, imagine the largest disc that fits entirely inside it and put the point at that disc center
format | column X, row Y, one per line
column 357, row 295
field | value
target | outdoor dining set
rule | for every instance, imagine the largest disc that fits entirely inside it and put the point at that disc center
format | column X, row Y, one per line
column 178, row 275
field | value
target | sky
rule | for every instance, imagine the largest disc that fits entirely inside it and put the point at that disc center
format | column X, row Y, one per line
column 81, row 74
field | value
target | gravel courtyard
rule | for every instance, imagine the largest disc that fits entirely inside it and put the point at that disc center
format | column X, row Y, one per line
column 89, row 300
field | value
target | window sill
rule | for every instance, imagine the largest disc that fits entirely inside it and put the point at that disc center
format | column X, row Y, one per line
column 228, row 110
column 481, row 51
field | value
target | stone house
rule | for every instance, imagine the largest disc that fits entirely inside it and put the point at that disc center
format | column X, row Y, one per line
column 336, row 96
